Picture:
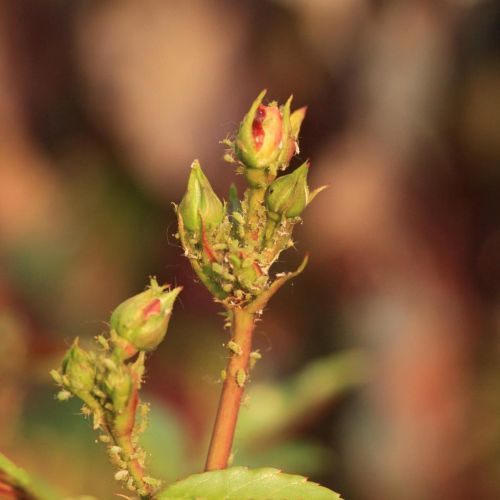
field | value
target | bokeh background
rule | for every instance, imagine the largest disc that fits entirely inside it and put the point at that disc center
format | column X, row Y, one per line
column 380, row 375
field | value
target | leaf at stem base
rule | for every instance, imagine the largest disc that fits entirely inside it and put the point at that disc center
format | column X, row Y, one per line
column 239, row 483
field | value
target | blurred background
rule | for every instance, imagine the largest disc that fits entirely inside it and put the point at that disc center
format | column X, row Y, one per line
column 380, row 375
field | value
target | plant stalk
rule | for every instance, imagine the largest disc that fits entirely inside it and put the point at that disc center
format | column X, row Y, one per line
column 255, row 203
column 121, row 430
column 232, row 391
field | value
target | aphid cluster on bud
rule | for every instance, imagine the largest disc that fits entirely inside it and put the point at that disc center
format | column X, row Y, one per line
column 232, row 245
column 108, row 381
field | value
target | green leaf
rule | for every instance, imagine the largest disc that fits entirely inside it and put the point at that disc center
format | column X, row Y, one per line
column 241, row 483
column 274, row 408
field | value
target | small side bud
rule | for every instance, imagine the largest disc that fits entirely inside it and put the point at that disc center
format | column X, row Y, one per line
column 143, row 319
column 78, row 369
column 288, row 195
column 200, row 205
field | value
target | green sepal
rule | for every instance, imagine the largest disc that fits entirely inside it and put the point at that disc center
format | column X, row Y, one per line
column 296, row 119
column 203, row 271
column 287, row 141
column 244, row 144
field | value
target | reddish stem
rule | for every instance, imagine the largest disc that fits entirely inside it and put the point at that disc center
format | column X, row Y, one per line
column 232, row 391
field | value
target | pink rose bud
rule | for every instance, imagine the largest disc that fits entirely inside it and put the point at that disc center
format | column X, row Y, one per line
column 267, row 138
column 143, row 319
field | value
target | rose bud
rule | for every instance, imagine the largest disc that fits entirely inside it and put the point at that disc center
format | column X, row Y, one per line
column 259, row 136
column 78, row 369
column 288, row 195
column 264, row 135
column 267, row 139
column 200, row 205
column 143, row 319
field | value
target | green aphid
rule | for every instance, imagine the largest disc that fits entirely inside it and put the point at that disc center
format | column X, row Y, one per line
column 261, row 281
column 238, row 218
column 103, row 342
column 218, row 268
column 234, row 260
column 247, row 262
column 234, row 347
column 241, row 377
column 229, row 277
column 219, row 246
column 63, row 395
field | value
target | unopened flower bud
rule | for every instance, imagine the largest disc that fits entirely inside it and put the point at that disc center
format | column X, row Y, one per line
column 267, row 137
column 78, row 369
column 200, row 205
column 288, row 195
column 259, row 136
column 143, row 319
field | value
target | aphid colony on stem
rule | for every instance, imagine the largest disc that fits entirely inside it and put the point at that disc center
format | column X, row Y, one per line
column 232, row 245
column 108, row 380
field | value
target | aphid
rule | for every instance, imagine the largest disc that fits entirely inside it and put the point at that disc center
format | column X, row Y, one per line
column 86, row 411
column 254, row 357
column 63, row 395
column 241, row 377
column 238, row 218
column 100, row 339
column 234, row 347
column 121, row 475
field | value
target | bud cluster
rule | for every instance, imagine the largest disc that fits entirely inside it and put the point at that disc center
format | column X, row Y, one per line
column 233, row 245
column 108, row 381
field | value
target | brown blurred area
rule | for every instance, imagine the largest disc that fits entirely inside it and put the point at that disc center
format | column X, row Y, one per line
column 103, row 106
